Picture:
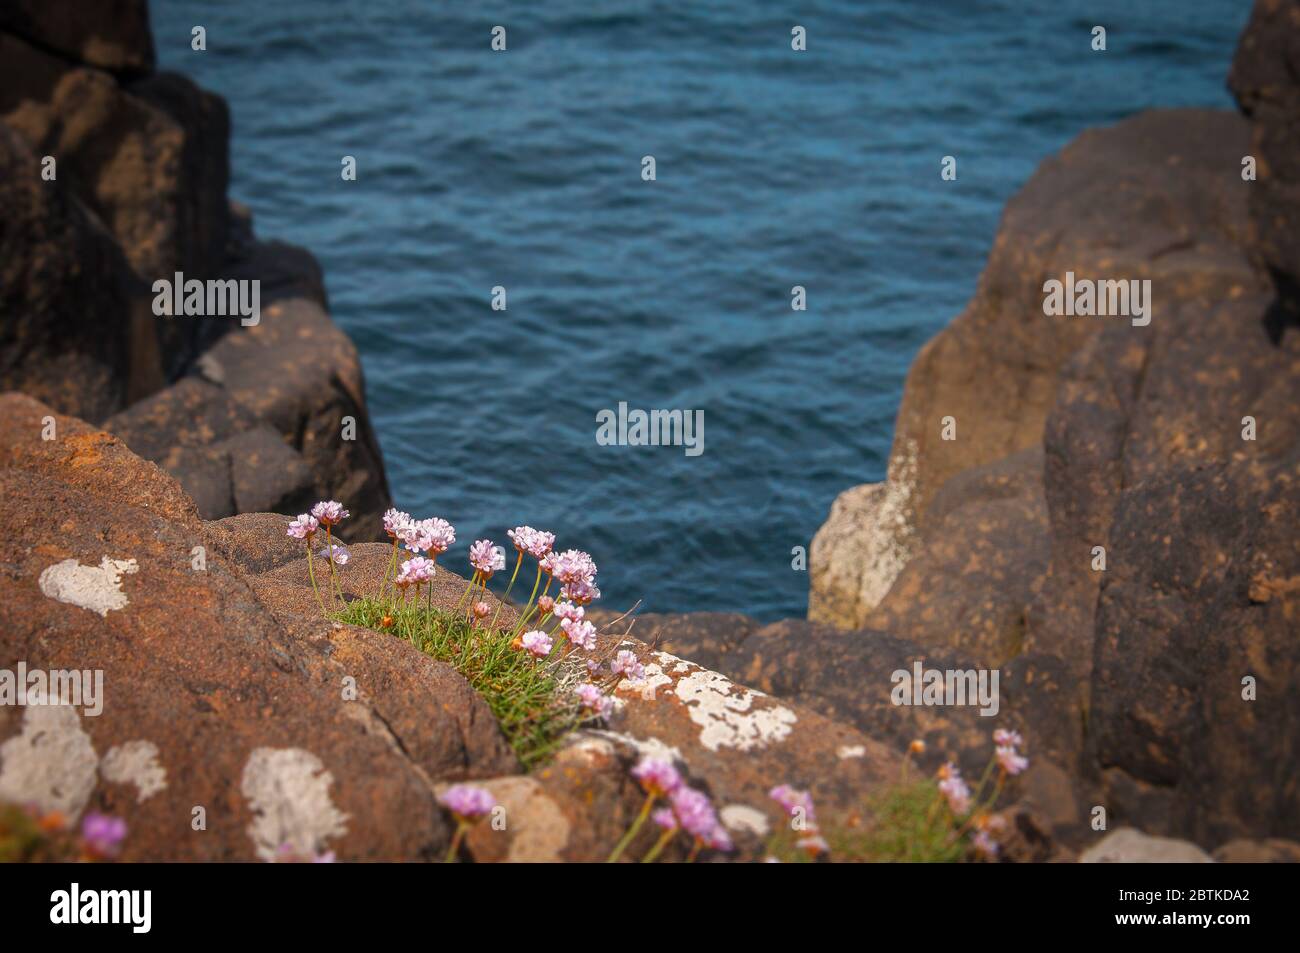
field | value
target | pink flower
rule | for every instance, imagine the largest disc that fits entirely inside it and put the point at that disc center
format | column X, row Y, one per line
column 394, row 521
column 572, row 565
column 337, row 552
column 467, row 801
column 625, row 663
column 794, row 802
column 304, row 527
column 580, row 592
column 433, row 536
column 1007, row 739
column 486, row 558
column 582, row 633
column 538, row 643
column 415, row 571
column 695, row 812
column 954, row 789
column 481, row 610
column 567, row 610
column 665, row 818
column 534, row 542
column 545, row 605
column 1012, row 763
column 593, row 666
column 103, row 834
column 656, row 776
column 594, row 699
column 330, row 512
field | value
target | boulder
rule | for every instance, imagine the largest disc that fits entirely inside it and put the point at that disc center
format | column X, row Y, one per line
column 1269, row 851
column 1105, row 207
column 227, row 730
column 70, row 302
column 110, row 34
column 1130, row 846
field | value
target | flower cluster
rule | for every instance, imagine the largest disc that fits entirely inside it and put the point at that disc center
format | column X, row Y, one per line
column 687, row 810
column 1009, row 759
column 468, row 804
column 414, row 572
column 954, row 788
column 534, row 542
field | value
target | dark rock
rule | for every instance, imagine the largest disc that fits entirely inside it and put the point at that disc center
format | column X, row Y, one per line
column 54, row 258
column 1270, row 851
column 705, row 638
column 110, row 34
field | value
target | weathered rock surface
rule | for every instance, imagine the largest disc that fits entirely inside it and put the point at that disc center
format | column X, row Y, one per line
column 1105, row 207
column 110, row 34
column 1129, row 846
column 283, row 729
column 139, row 194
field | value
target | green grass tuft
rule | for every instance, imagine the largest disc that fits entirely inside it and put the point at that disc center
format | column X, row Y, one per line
column 532, row 699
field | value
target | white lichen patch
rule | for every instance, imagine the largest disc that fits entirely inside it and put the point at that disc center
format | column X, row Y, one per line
column 288, row 790
column 727, row 714
column 647, row 687
column 744, row 819
column 136, row 763
column 851, row 751
column 97, row 588
column 644, row 747
column 50, row 763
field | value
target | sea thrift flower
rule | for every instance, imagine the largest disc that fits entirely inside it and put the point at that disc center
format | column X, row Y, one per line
column 794, row 802
column 568, row 611
column 481, row 610
column 580, row 592
column 695, row 812
column 415, row 571
column 593, row 666
column 534, row 542
column 954, row 789
column 917, row 747
column 665, row 818
column 467, row 801
column 719, row 839
column 486, row 558
column 537, row 642
column 545, row 605
column 594, row 699
column 433, row 536
column 572, row 565
column 625, row 663
column 338, row 552
column 657, row 777
column 102, row 834
column 304, row 527
column 582, row 633
column 1011, row 762
column 1007, row 739
column 395, row 521
column 330, row 512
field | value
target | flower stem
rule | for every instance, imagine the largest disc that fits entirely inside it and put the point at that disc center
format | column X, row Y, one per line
column 528, row 606
column 329, row 554
column 660, row 844
column 509, row 586
column 456, row 838
column 392, row 569
column 473, row 581
column 633, row 830
column 311, row 571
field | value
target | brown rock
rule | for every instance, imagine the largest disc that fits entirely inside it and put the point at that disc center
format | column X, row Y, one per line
column 705, row 638
column 111, row 34
column 1269, row 851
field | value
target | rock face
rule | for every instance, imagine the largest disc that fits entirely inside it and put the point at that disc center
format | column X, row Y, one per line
column 211, row 699
column 1114, row 524
column 115, row 177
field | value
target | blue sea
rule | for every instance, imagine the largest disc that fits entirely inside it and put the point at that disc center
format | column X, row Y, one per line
column 523, row 169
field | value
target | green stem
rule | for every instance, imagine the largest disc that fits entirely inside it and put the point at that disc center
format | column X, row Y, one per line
column 528, row 606
column 329, row 554
column 311, row 571
column 456, row 838
column 633, row 830
column 473, row 581
column 392, row 570
column 509, row 586
column 660, row 844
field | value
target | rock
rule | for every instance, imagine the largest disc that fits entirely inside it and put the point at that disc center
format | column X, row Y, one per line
column 258, row 542
column 212, row 699
column 148, row 158
column 1130, row 846
column 227, row 461
column 1269, row 851
column 53, row 259
column 1106, row 207
column 986, row 538
column 299, row 374
column 1263, row 78
column 706, row 638
column 110, row 34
